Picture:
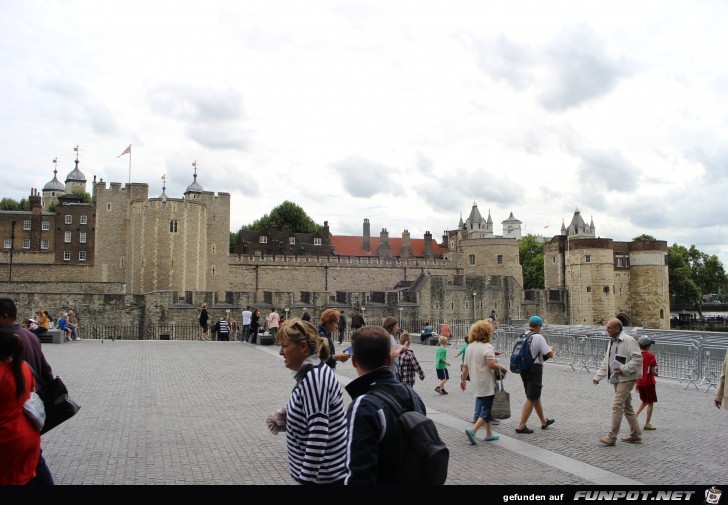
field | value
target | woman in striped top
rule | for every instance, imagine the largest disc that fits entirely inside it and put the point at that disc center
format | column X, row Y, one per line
column 314, row 418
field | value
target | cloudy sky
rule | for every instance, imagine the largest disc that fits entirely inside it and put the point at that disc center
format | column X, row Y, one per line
column 402, row 112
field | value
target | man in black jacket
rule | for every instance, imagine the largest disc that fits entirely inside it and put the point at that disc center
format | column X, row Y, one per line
column 35, row 358
column 372, row 444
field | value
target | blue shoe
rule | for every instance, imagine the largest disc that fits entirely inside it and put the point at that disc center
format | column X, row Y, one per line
column 471, row 437
column 491, row 438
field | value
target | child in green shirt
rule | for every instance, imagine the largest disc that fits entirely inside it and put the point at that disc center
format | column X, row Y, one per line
column 441, row 364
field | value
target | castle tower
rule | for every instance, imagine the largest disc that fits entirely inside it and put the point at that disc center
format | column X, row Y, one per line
column 75, row 179
column 53, row 188
column 649, row 290
column 511, row 227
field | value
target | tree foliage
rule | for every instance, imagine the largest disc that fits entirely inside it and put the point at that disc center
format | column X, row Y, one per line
column 286, row 214
column 530, row 250
column 233, row 242
column 694, row 273
column 645, row 238
column 11, row 204
column 84, row 196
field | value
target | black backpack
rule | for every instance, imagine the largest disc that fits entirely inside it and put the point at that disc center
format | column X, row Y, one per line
column 422, row 455
column 521, row 358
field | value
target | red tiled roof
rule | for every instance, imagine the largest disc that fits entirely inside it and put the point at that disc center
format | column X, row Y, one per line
column 354, row 246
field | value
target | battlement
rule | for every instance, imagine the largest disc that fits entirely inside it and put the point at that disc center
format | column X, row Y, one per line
column 319, row 261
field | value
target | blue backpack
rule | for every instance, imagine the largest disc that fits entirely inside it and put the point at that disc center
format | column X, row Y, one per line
column 521, row 358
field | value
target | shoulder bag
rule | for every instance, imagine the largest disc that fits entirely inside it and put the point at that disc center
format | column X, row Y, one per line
column 501, row 403
column 59, row 407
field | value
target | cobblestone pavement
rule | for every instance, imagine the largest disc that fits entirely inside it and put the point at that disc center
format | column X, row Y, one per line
column 192, row 413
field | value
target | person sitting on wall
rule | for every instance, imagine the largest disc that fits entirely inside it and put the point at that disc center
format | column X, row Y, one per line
column 426, row 333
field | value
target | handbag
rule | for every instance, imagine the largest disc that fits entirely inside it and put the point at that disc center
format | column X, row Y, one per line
column 59, row 407
column 34, row 410
column 501, row 403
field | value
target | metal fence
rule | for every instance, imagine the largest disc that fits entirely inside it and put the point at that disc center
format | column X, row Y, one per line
column 688, row 357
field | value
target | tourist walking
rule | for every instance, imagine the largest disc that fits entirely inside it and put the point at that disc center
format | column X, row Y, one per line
column 328, row 322
column 533, row 378
column 204, row 320
column 646, row 384
column 408, row 364
column 342, row 326
column 314, row 419
column 254, row 326
column 622, row 365
column 480, row 366
column 441, row 364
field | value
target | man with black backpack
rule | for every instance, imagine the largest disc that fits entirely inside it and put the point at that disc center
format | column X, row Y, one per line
column 391, row 441
column 532, row 373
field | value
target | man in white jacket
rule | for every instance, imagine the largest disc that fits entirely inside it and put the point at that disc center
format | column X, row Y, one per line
column 622, row 364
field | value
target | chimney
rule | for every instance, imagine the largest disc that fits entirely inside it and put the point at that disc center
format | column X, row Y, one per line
column 384, row 237
column 35, row 202
column 406, row 251
column 428, row 245
column 367, row 245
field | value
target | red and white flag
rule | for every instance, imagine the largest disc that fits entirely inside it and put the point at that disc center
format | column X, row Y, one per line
column 126, row 151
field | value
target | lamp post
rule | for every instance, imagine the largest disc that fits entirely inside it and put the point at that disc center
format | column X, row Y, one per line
column 286, row 309
column 475, row 293
column 400, row 317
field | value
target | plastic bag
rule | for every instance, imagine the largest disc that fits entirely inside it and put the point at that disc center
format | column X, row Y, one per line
column 34, row 409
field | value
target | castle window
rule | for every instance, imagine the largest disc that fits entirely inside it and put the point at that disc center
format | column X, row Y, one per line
column 67, row 237
column 7, row 243
column 499, row 259
column 471, row 259
column 108, row 206
column 82, row 237
column 45, row 225
column 292, row 240
column 587, row 258
column 68, row 219
column 66, row 255
column 263, row 239
column 173, row 226
column 606, row 290
column 213, row 252
column 213, row 271
column 620, row 262
column 81, row 255
column 553, row 260
column 84, row 219
column 588, row 289
column 44, row 244
column 26, row 243
column 26, row 224
column 317, row 241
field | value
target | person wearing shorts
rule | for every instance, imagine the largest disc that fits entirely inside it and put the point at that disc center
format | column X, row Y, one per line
column 533, row 378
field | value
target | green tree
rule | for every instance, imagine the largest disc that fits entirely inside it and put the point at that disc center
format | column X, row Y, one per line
column 530, row 250
column 645, row 238
column 85, row 197
column 683, row 289
column 11, row 204
column 286, row 214
column 233, row 242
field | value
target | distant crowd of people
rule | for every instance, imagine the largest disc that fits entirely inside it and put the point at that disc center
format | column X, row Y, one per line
column 42, row 321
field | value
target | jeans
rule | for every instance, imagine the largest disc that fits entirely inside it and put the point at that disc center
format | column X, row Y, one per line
column 483, row 406
column 622, row 406
column 246, row 332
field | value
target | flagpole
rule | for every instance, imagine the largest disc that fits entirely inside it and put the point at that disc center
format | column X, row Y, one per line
column 130, row 164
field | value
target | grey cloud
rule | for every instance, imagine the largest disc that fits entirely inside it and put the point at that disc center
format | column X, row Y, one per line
column 424, row 164
column 504, row 60
column 196, row 104
column 218, row 136
column 714, row 161
column 608, row 170
column 63, row 87
column 448, row 193
column 364, row 178
column 581, row 69
column 102, row 120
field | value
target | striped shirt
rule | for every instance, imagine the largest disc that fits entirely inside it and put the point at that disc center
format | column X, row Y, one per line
column 316, row 430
